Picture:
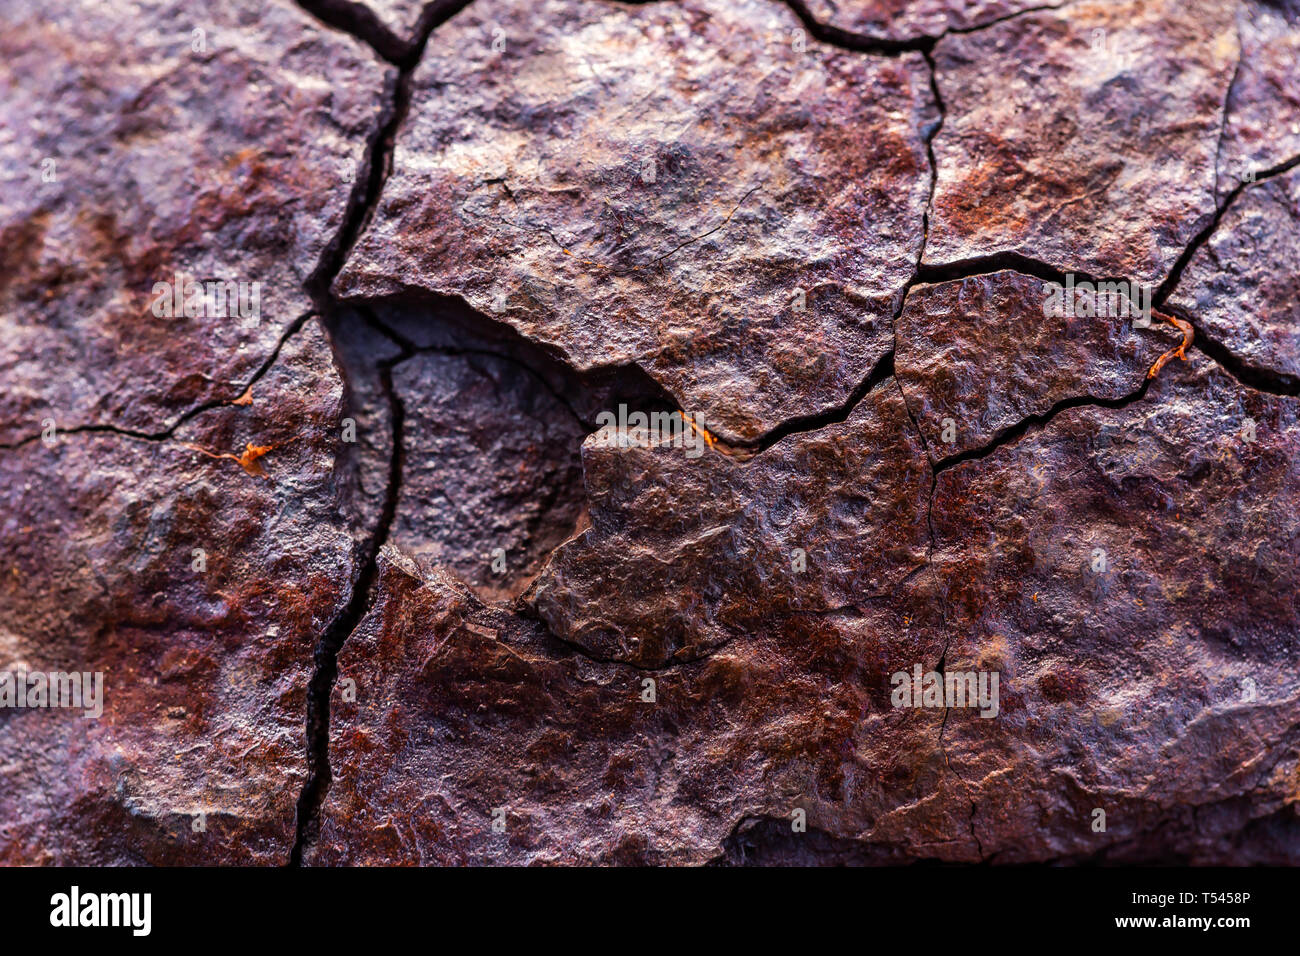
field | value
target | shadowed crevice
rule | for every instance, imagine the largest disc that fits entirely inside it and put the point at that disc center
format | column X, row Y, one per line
column 1167, row 287
column 359, row 21
column 1253, row 376
column 930, row 273
column 372, row 176
column 363, row 24
column 362, row 203
column 325, row 658
column 815, row 421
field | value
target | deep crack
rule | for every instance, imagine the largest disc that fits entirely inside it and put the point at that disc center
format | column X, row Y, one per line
column 1171, row 281
column 1008, row 435
column 325, row 657
column 365, row 196
column 361, row 203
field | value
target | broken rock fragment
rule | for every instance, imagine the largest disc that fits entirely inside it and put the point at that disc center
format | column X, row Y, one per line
column 1132, row 575
column 489, row 479
column 977, row 356
column 678, row 185
column 1262, row 129
column 197, row 591
column 690, row 549
column 170, row 175
column 1084, row 137
column 1242, row 287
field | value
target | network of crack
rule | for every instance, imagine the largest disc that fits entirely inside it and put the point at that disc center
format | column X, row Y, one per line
column 405, row 53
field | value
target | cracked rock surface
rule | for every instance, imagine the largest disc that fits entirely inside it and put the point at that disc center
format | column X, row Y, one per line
column 1243, row 286
column 977, row 356
column 219, row 143
column 675, row 185
column 902, row 20
column 583, row 770
column 1086, row 137
column 197, row 590
column 508, row 479
column 1262, row 128
column 1143, row 661
column 677, row 547
column 643, row 397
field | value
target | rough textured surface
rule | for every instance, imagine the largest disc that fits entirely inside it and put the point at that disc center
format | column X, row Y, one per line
column 461, row 710
column 1123, row 690
column 220, row 143
column 1126, row 689
column 575, row 210
column 909, row 19
column 1243, row 286
column 364, row 352
column 491, row 465
column 980, row 352
column 1084, row 137
column 655, row 184
column 491, row 436
column 685, row 554
column 205, row 667
column 1263, row 122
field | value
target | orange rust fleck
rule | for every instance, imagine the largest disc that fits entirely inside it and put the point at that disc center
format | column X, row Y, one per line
column 699, row 429
column 247, row 461
column 1180, row 351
